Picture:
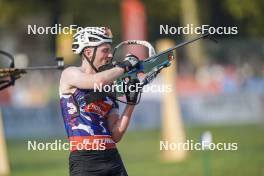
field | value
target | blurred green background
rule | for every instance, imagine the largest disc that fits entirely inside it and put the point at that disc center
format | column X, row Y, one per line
column 140, row 152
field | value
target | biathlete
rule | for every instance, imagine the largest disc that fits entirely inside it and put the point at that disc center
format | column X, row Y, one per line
column 92, row 121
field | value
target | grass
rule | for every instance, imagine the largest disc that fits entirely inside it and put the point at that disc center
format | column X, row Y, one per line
column 141, row 155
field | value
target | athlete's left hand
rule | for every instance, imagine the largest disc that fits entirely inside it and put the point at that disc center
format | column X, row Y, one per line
column 132, row 91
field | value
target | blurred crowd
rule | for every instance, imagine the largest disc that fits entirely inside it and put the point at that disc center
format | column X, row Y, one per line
column 219, row 79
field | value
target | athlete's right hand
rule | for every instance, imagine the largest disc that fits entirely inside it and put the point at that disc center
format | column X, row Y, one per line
column 131, row 61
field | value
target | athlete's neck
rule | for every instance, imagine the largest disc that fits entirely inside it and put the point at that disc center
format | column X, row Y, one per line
column 86, row 67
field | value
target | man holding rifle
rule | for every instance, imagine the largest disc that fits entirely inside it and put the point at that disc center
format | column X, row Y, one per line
column 92, row 121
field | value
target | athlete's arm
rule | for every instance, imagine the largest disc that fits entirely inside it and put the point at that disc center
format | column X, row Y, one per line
column 118, row 125
column 74, row 77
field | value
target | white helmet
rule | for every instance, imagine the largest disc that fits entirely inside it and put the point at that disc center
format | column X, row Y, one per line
column 91, row 36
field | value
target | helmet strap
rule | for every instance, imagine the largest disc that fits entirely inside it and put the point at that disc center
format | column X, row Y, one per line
column 92, row 60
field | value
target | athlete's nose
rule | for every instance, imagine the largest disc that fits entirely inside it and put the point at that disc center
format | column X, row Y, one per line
column 110, row 55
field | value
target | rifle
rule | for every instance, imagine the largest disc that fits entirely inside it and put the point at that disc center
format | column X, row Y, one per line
column 9, row 75
column 152, row 65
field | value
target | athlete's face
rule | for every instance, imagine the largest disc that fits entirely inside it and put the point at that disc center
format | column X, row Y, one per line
column 103, row 55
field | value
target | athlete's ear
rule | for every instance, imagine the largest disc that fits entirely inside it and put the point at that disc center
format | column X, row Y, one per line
column 88, row 52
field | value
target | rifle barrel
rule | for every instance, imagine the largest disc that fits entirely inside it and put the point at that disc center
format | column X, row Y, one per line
column 178, row 46
column 40, row 68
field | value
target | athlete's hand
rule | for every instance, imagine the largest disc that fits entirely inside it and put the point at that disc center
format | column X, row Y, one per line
column 131, row 61
column 132, row 91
